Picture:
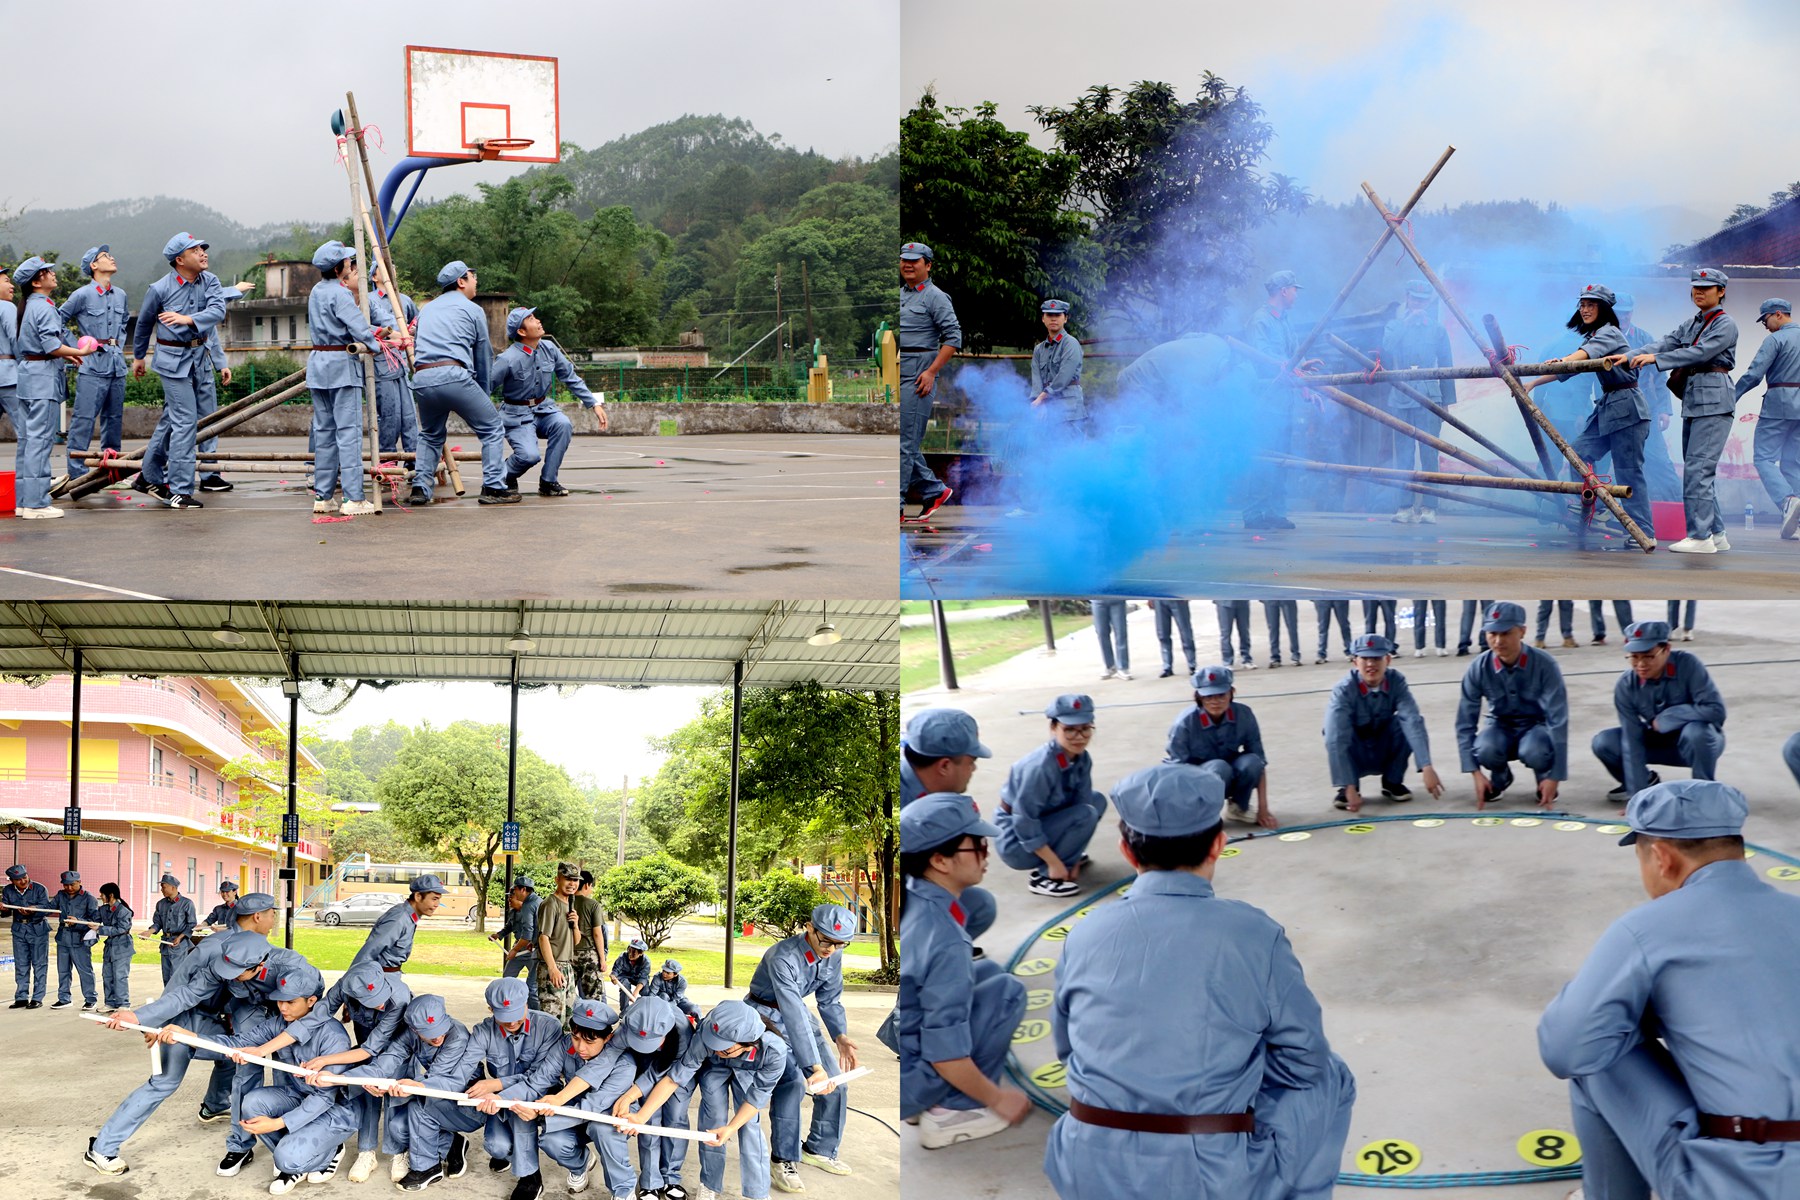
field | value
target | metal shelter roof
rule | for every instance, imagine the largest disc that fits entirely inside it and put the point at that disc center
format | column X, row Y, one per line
column 641, row 642
column 12, row 826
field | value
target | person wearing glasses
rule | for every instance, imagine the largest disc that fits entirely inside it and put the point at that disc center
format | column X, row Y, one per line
column 807, row 964
column 956, row 1015
column 1221, row 736
column 1670, row 713
column 1048, row 806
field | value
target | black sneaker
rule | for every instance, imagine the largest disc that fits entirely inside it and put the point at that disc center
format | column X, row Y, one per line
column 418, row 499
column 216, row 483
column 512, row 482
column 35, row 1004
column 20, row 1004
column 674, row 1191
column 977, row 952
column 530, row 1187
column 1341, row 801
column 418, row 1181
column 1462, row 652
column 234, row 1162
column 140, row 484
column 159, row 490
column 552, row 489
column 497, row 496
column 458, row 1161
column 933, row 504
column 497, row 1165
column 1399, row 793
column 177, row 500
column 1165, row 674
column 208, row 1116
column 62, row 1004
column 1499, row 780
column 1621, row 794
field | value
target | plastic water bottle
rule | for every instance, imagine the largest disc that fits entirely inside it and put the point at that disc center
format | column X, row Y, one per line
column 1749, row 516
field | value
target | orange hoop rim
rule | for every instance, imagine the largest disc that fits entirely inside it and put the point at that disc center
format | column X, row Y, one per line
column 490, row 148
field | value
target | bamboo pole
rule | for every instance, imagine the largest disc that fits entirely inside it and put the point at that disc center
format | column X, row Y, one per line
column 1375, row 414
column 1537, row 435
column 1393, row 227
column 1449, row 418
column 1566, row 487
column 307, row 455
column 1458, row 497
column 1589, row 366
column 1606, row 495
column 358, row 219
column 96, row 479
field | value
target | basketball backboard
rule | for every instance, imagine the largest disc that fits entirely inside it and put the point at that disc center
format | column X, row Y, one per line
column 456, row 100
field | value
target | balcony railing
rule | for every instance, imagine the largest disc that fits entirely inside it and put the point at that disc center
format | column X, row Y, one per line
column 37, row 793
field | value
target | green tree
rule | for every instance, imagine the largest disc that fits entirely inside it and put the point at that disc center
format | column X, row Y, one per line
column 1175, row 191
column 996, row 211
column 261, row 779
column 446, row 791
column 781, row 902
column 371, row 834
column 816, row 771
column 653, row 893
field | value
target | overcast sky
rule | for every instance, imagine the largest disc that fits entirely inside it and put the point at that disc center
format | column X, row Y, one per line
column 1602, row 106
column 228, row 102
column 601, row 731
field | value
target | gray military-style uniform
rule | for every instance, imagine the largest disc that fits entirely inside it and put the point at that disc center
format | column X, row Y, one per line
column 927, row 322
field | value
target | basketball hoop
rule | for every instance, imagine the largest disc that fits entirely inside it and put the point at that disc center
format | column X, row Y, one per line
column 492, row 148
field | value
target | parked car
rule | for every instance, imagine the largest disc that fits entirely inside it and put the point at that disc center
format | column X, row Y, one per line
column 364, row 908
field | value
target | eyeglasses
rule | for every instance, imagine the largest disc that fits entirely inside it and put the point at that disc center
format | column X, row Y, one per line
column 980, row 847
column 1078, row 730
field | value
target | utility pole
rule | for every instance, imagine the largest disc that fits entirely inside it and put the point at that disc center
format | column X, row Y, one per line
column 806, row 291
column 780, row 339
column 624, row 799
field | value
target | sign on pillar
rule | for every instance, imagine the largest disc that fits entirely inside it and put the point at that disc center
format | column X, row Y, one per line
column 509, row 837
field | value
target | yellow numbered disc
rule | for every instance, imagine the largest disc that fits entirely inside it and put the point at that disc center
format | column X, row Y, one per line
column 1297, row 836
column 1784, row 873
column 1056, row 933
column 1549, row 1148
column 1082, row 912
column 1428, row 822
column 1230, row 852
column 1571, row 826
column 1613, row 828
column 1359, row 829
column 1038, row 998
column 1486, row 822
column 1749, row 853
column 1526, row 822
column 1035, row 966
column 1051, row 1075
column 1030, row 1030
column 1388, row 1156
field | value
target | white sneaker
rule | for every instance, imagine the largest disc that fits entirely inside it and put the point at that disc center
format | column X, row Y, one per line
column 1419, row 653
column 1247, row 665
column 1790, row 518
column 1428, row 516
column 707, row 1193
column 1043, row 885
column 1125, row 675
column 826, row 1163
column 940, row 1127
column 1403, row 517
column 1687, row 635
column 327, row 507
column 1690, row 545
column 359, row 508
column 1720, row 542
column 578, row 1180
column 284, row 1183
column 786, row 1177
column 399, row 1167
column 1108, row 673
column 363, row 1167
column 331, row 1169
column 1240, row 814
column 40, row 514
column 101, row 1163
column 1443, row 652
column 1015, row 513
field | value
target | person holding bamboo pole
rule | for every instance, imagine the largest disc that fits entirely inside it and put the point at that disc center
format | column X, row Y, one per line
column 452, row 376
column 179, row 309
column 1620, row 420
column 334, row 373
column 30, row 933
column 1698, row 357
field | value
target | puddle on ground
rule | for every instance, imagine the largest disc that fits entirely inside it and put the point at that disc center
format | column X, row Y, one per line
column 626, row 589
column 780, row 566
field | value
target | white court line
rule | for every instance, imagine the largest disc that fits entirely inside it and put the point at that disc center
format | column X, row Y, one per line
column 99, row 587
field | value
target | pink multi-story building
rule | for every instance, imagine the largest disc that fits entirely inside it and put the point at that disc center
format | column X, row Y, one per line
column 151, row 755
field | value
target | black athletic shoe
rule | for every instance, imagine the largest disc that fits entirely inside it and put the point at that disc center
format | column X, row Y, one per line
column 458, row 1161
column 140, row 484
column 512, row 482
column 977, row 952
column 1462, row 652
column 418, row 499
column 933, row 504
column 234, row 1162
column 497, row 1165
column 177, row 500
column 159, row 490
column 418, row 1181
column 675, row 1191
column 497, row 496
column 208, row 1116
column 530, row 1187
column 1621, row 794
column 552, row 489
column 1275, row 522
column 1165, row 674
column 1341, row 801
column 1400, row 793
column 216, row 483
column 1499, row 780
column 35, row 1004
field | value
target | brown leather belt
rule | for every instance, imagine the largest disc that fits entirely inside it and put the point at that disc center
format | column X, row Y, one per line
column 1717, row 370
column 390, row 970
column 178, row 345
column 1748, row 1129
column 107, row 341
column 37, row 357
column 6, row 358
column 344, row 348
column 448, row 362
column 526, row 403
column 1087, row 1114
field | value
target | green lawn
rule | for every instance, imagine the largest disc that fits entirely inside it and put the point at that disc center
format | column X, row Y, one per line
column 975, row 645
column 919, row 607
column 464, row 952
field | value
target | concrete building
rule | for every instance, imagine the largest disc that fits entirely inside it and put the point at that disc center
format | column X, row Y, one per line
column 151, row 754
